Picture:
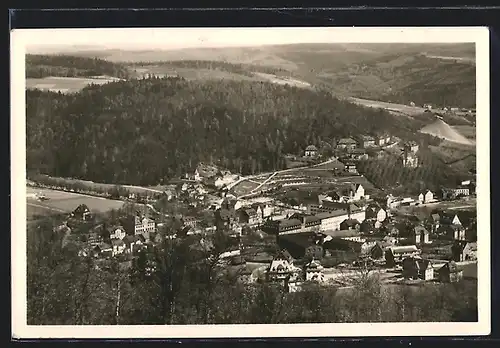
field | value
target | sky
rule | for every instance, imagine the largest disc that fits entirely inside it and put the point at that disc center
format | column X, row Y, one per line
column 178, row 38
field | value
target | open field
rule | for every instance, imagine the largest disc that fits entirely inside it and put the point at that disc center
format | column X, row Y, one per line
column 405, row 109
column 66, row 202
column 65, row 84
column 244, row 187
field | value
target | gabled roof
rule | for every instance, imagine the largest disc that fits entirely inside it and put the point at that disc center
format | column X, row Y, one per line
column 311, row 148
column 347, row 141
column 314, row 264
column 420, row 230
column 451, row 266
column 350, row 222
column 283, row 254
column 250, row 212
column 82, row 208
column 403, row 249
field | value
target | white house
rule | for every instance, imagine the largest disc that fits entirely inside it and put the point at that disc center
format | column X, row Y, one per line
column 117, row 233
column 359, row 192
column 118, row 246
column 314, row 272
column 427, row 197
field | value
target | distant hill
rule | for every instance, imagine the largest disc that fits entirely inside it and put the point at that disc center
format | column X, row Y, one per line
column 437, row 74
column 441, row 129
column 39, row 66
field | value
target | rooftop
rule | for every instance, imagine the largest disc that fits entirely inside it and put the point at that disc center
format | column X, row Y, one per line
column 347, row 141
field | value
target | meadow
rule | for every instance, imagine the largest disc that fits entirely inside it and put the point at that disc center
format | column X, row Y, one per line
column 404, row 109
column 64, row 84
column 65, row 202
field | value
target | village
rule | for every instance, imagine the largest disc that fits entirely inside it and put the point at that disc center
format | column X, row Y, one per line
column 300, row 229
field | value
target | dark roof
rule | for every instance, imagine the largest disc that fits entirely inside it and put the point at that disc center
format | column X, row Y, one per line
column 283, row 254
column 132, row 239
column 303, row 240
column 418, row 263
column 82, row 208
column 350, row 222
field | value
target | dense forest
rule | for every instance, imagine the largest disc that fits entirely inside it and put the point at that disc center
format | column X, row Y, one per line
column 39, row 66
column 144, row 131
column 431, row 174
column 181, row 282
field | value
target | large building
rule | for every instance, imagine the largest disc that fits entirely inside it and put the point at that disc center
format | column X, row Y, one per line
column 320, row 218
column 139, row 225
column 347, row 144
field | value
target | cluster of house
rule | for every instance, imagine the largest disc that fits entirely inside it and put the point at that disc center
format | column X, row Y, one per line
column 130, row 236
column 362, row 147
column 212, row 176
column 415, row 267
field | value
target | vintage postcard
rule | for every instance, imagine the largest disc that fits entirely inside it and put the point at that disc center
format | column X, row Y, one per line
column 250, row 182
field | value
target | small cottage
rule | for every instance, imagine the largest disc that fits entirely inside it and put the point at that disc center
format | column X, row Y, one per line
column 82, row 212
column 311, row 151
column 417, row 268
column 450, row 273
column 314, row 271
column 464, row 251
column 118, row 246
column 396, row 254
column 420, row 235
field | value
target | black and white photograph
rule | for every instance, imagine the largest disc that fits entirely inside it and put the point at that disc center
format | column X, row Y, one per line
column 245, row 182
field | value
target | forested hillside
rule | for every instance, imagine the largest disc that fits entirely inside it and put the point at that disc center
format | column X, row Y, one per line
column 38, row 66
column 407, row 78
column 145, row 131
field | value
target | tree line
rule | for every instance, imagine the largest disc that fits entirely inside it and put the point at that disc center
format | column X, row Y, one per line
column 180, row 281
column 39, row 66
column 145, row 131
